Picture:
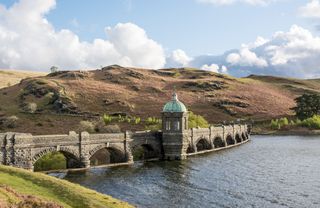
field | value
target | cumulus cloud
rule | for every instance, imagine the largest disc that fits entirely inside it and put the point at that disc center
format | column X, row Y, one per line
column 212, row 67
column 29, row 41
column 294, row 53
column 229, row 2
column 245, row 57
column 178, row 58
column 215, row 68
column 311, row 10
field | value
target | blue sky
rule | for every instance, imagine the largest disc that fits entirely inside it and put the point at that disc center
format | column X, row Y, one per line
column 194, row 27
column 177, row 30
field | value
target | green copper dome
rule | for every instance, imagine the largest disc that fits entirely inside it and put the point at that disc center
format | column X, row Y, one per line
column 174, row 105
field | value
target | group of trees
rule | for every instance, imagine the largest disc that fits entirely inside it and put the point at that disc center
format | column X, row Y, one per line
column 308, row 105
column 307, row 113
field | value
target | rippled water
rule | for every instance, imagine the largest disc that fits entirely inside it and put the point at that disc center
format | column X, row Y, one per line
column 266, row 172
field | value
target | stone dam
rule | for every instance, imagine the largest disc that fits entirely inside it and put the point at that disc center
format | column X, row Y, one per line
column 174, row 142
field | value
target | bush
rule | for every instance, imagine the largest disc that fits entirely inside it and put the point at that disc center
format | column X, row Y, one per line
column 197, row 121
column 31, row 107
column 279, row 123
column 101, row 127
column 11, row 122
column 87, row 126
column 51, row 161
column 137, row 120
column 312, row 123
column 107, row 119
column 274, row 124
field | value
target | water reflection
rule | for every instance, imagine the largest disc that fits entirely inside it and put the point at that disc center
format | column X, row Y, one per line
column 267, row 172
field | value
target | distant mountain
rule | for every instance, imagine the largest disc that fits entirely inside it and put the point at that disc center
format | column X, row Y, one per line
column 65, row 98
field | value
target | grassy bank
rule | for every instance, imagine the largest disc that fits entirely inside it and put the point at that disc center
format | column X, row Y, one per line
column 19, row 186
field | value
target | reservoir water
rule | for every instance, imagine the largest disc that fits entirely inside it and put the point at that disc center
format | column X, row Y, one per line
column 277, row 171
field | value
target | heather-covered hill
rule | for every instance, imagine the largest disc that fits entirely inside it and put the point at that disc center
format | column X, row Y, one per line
column 65, row 98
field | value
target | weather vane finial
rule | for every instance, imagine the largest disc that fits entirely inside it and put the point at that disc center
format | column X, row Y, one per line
column 174, row 95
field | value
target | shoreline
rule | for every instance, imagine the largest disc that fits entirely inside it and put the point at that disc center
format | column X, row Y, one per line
column 297, row 132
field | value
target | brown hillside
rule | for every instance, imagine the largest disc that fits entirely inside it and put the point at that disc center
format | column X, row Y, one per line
column 66, row 98
column 12, row 77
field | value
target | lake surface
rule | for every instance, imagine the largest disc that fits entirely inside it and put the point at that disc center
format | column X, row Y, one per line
column 266, row 172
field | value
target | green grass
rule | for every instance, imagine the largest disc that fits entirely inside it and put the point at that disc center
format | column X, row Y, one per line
column 52, row 189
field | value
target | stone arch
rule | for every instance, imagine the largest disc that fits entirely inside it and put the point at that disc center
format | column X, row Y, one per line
column 144, row 152
column 190, row 149
column 244, row 137
column 238, row 138
column 230, row 140
column 202, row 145
column 72, row 158
column 218, row 142
column 104, row 154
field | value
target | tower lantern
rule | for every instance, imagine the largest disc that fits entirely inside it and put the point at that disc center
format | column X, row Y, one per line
column 175, row 129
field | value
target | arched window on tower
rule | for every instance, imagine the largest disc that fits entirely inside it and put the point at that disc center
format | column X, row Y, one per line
column 185, row 123
column 168, row 125
column 177, row 125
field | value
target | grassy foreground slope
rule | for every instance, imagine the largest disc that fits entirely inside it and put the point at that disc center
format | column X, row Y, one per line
column 12, row 77
column 20, row 187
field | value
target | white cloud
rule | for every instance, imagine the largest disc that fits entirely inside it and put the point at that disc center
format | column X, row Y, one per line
column 229, row 2
column 215, row 68
column 294, row 53
column 29, row 41
column 212, row 67
column 311, row 10
column 245, row 57
column 180, row 58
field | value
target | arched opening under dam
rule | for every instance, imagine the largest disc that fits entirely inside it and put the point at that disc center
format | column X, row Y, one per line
column 230, row 140
column 218, row 142
column 107, row 156
column 244, row 137
column 202, row 145
column 190, row 149
column 238, row 138
column 144, row 152
column 55, row 160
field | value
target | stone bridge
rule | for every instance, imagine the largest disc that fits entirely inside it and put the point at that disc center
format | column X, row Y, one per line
column 85, row 150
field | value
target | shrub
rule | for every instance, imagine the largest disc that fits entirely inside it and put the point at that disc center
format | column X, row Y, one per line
column 279, row 123
column 283, row 121
column 11, row 122
column 31, row 107
column 274, row 124
column 101, row 127
column 87, row 126
column 153, row 121
column 51, row 161
column 107, row 119
column 197, row 121
column 312, row 123
column 137, row 120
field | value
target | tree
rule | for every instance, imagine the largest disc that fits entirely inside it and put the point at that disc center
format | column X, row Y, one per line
column 54, row 69
column 308, row 105
column 197, row 121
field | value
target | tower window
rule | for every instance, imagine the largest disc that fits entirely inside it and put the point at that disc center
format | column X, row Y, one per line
column 168, row 125
column 176, row 125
